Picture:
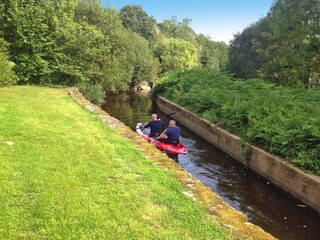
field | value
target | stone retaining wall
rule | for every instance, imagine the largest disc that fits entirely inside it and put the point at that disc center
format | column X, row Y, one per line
column 281, row 172
column 218, row 209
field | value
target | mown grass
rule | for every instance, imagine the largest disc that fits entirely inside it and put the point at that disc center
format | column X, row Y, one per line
column 67, row 175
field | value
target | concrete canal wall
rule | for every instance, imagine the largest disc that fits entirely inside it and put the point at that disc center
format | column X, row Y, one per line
column 281, row 172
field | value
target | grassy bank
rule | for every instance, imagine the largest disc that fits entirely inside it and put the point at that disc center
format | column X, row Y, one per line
column 65, row 174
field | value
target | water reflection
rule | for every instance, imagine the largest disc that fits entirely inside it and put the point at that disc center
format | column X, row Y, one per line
column 264, row 204
column 129, row 107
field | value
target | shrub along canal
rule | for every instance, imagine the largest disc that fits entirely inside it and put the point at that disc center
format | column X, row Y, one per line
column 264, row 204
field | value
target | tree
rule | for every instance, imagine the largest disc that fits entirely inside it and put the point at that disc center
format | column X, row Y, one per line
column 136, row 19
column 247, row 56
column 28, row 27
column 213, row 55
column 7, row 76
column 172, row 28
column 146, row 66
column 282, row 47
column 176, row 54
column 90, row 11
column 295, row 25
column 83, row 54
column 119, row 66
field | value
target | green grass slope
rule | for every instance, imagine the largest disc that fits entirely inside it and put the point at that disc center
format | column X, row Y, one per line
column 66, row 175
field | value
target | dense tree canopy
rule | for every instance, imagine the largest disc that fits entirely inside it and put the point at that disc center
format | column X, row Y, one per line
column 79, row 42
column 146, row 66
column 213, row 55
column 283, row 47
column 175, row 54
column 29, row 28
column 172, row 28
column 7, row 76
column 135, row 18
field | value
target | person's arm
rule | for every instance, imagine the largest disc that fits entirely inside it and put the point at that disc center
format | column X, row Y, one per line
column 146, row 125
column 162, row 136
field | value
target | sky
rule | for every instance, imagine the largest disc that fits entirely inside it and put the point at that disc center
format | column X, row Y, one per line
column 219, row 19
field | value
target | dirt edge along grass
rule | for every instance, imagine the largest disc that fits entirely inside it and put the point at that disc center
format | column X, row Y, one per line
column 236, row 221
column 65, row 174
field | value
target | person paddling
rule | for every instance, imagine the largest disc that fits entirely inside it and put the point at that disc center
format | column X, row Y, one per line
column 171, row 134
column 156, row 125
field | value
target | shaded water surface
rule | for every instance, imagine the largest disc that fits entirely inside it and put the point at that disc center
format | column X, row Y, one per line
column 264, row 204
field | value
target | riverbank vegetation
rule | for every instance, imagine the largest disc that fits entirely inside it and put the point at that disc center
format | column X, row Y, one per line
column 99, row 50
column 66, row 174
column 282, row 47
column 81, row 43
column 284, row 121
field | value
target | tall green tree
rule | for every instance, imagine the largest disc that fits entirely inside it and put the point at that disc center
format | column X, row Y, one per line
column 244, row 58
column 83, row 54
column 146, row 66
column 213, row 55
column 90, row 11
column 7, row 76
column 136, row 19
column 173, row 28
column 176, row 54
column 83, row 46
column 294, row 33
column 29, row 28
column 119, row 65
column 283, row 47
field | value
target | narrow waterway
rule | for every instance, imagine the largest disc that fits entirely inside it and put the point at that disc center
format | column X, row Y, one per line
column 264, row 204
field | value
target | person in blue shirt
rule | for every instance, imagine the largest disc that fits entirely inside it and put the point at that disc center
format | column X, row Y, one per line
column 156, row 126
column 171, row 134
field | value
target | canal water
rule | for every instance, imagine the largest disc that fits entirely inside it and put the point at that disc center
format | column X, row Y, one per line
column 265, row 205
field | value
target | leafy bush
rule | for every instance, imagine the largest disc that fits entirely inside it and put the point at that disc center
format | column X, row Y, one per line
column 92, row 92
column 7, row 76
column 285, row 121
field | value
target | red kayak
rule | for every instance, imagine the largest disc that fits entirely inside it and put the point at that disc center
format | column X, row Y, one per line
column 169, row 148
